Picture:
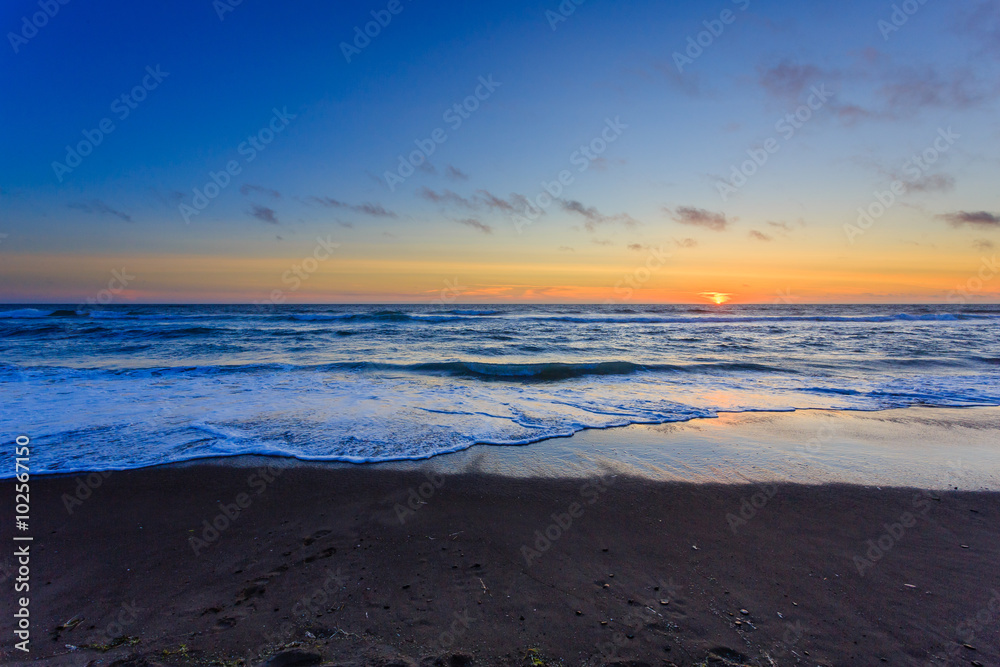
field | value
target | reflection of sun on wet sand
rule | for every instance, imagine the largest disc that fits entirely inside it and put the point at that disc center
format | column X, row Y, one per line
column 434, row 563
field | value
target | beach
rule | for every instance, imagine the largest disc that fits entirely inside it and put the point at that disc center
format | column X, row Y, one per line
column 449, row 562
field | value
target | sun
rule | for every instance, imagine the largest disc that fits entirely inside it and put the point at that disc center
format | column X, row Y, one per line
column 718, row 298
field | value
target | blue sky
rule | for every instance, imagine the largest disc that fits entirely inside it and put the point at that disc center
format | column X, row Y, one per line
column 656, row 184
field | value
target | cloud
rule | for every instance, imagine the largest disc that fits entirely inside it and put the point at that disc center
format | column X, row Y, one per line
column 932, row 183
column 574, row 206
column 264, row 214
column 374, row 210
column 475, row 224
column 760, row 236
column 482, row 201
column 688, row 83
column 566, row 248
column 911, row 89
column 896, row 91
column 973, row 219
column 788, row 79
column 445, row 197
column 685, row 243
column 983, row 245
column 786, row 228
column 491, row 201
column 455, row 174
column 97, row 207
column 170, row 198
column 699, row 217
column 982, row 25
column 246, row 189
column 427, row 168
column 603, row 163
column 594, row 217
column 602, row 242
column 635, row 246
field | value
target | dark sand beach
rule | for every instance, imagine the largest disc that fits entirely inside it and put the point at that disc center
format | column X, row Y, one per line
column 380, row 565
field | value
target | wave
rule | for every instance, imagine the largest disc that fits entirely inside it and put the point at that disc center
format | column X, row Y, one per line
column 618, row 316
column 25, row 313
column 622, row 318
column 744, row 319
column 513, row 372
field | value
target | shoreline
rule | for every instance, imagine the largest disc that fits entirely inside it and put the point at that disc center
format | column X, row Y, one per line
column 803, row 435
column 464, row 560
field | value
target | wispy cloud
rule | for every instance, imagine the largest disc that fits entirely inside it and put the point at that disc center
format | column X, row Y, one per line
column 367, row 208
column 698, row 217
column 455, row 174
column 760, row 236
column 896, row 91
column 445, row 197
column 788, row 79
column 594, row 217
column 972, row 219
column 475, row 224
column 482, row 201
column 246, row 189
column 932, row 183
column 264, row 214
column 170, row 198
column 983, row 245
column 98, row 207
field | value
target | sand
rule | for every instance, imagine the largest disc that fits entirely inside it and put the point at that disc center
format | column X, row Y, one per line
column 356, row 565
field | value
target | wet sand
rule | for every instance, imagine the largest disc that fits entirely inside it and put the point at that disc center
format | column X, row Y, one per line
column 408, row 565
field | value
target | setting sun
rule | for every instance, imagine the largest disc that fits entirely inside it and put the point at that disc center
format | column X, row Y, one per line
column 718, row 298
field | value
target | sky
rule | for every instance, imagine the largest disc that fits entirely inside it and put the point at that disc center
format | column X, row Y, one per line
column 227, row 151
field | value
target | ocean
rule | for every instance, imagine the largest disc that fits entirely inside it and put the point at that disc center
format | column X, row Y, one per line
column 118, row 387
